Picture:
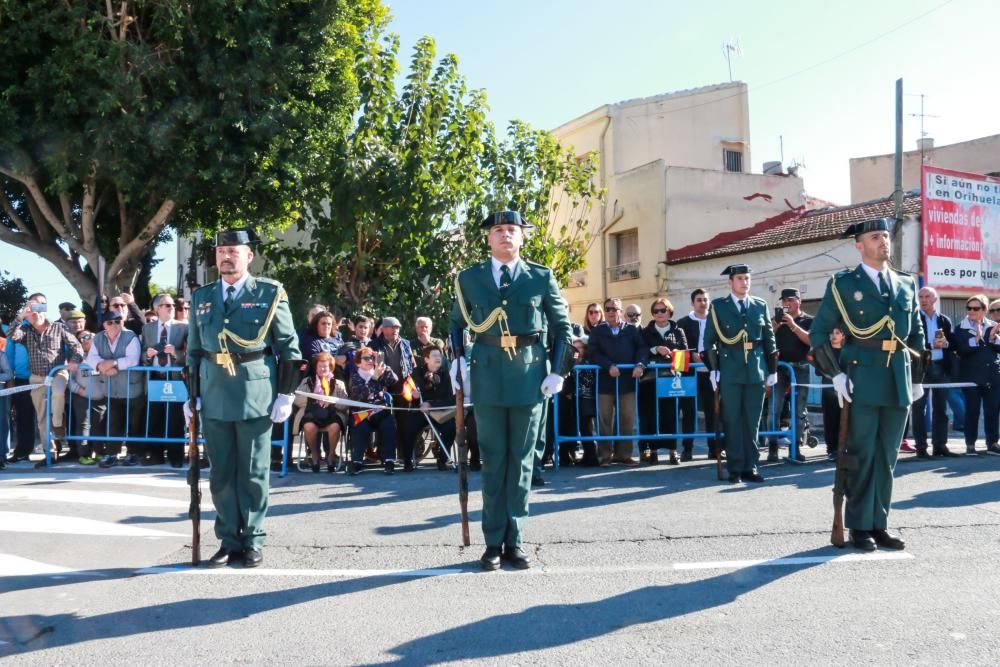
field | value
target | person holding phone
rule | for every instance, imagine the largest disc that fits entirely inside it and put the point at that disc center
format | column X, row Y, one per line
column 49, row 345
column 369, row 384
column 938, row 333
column 791, row 335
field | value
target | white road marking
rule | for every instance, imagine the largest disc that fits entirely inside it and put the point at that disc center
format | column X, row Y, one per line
column 78, row 497
column 801, row 560
column 165, row 480
column 27, row 522
column 451, row 571
column 15, row 566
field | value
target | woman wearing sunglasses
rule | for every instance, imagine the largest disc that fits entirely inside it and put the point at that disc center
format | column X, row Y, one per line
column 595, row 315
column 977, row 341
column 369, row 384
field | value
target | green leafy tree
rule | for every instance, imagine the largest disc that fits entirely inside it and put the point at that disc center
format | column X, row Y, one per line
column 532, row 173
column 120, row 120
column 13, row 296
column 382, row 236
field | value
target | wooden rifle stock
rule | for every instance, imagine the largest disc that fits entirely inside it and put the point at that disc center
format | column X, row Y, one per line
column 194, row 481
column 840, row 479
column 463, row 458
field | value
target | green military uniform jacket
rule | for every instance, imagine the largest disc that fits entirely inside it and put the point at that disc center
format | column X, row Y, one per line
column 533, row 305
column 735, row 367
column 250, row 393
column 875, row 381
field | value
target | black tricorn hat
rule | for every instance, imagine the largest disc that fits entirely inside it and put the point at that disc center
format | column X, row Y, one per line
column 735, row 270
column 505, row 218
column 229, row 237
column 877, row 225
column 790, row 293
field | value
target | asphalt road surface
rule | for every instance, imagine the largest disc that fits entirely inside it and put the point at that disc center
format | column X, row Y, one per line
column 650, row 565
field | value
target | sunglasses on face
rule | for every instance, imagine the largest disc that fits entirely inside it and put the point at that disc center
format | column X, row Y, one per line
column 118, row 305
column 368, row 358
column 632, row 316
column 593, row 312
column 974, row 308
column 611, row 309
column 114, row 323
column 659, row 311
column 995, row 310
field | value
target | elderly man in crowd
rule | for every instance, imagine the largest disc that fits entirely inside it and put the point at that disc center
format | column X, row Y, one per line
column 49, row 345
column 164, row 342
column 633, row 315
column 115, row 350
column 76, row 323
column 398, row 355
column 611, row 343
column 424, row 326
column 938, row 336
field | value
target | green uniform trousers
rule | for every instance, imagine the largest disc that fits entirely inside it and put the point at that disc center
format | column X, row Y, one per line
column 240, row 452
column 507, row 439
column 742, row 405
column 876, row 432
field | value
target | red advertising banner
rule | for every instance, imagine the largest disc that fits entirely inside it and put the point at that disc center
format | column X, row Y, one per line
column 961, row 230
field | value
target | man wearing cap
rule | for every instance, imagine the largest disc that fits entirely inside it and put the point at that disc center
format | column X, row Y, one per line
column 65, row 308
column 509, row 304
column 791, row 336
column 76, row 322
column 884, row 338
column 398, row 356
column 740, row 351
column 236, row 327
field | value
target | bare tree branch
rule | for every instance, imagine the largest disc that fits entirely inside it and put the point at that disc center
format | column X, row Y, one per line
column 131, row 250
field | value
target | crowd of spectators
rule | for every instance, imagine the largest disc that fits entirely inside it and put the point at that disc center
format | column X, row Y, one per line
column 103, row 405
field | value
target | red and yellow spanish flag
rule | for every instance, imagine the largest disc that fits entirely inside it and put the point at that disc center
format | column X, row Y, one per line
column 360, row 416
column 409, row 386
column 680, row 361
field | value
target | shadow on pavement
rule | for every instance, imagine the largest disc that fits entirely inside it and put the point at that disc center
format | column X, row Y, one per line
column 552, row 625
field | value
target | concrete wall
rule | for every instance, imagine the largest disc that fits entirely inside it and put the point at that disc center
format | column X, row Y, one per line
column 702, row 203
column 872, row 177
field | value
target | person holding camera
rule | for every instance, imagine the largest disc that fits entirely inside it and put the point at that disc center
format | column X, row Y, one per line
column 791, row 335
column 49, row 345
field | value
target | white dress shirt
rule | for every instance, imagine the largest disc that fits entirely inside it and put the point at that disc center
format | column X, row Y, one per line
column 745, row 300
column 873, row 274
column 496, row 263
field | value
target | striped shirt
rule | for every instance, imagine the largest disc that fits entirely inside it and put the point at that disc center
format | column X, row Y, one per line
column 54, row 346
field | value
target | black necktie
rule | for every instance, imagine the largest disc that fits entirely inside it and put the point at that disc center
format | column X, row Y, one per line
column 743, row 307
column 883, row 286
column 505, row 279
column 162, row 356
column 230, row 291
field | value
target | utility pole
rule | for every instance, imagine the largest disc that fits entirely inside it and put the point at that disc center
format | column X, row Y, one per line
column 897, row 193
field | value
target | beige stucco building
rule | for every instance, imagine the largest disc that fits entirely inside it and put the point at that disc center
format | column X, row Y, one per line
column 872, row 176
column 676, row 172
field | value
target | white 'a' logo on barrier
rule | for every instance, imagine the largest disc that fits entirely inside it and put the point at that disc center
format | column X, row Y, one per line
column 168, row 388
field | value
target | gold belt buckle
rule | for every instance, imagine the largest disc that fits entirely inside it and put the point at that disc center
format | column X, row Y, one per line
column 889, row 345
column 225, row 360
column 509, row 344
column 747, row 346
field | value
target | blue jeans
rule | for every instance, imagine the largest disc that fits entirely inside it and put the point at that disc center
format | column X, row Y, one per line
column 957, row 403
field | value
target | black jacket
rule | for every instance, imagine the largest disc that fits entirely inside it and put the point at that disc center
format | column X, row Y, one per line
column 950, row 358
column 675, row 339
column 607, row 349
column 979, row 363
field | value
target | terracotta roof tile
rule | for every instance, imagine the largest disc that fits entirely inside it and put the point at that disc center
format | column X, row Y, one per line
column 793, row 227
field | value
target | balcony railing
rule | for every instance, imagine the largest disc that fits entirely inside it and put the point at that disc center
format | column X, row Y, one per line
column 628, row 271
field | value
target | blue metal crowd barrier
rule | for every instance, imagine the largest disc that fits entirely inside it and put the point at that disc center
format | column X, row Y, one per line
column 170, row 390
column 669, row 386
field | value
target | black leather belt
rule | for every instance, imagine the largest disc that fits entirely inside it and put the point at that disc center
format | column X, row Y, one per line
column 742, row 346
column 880, row 344
column 243, row 357
column 519, row 341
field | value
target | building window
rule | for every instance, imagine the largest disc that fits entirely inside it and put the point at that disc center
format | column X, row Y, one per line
column 732, row 160
column 625, row 254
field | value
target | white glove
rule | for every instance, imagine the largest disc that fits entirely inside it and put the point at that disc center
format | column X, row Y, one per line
column 917, row 391
column 552, row 384
column 772, row 379
column 843, row 386
column 460, row 365
column 282, row 409
column 713, row 377
column 187, row 408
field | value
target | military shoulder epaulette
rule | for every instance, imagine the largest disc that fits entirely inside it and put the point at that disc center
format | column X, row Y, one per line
column 267, row 281
column 843, row 272
column 758, row 300
column 536, row 265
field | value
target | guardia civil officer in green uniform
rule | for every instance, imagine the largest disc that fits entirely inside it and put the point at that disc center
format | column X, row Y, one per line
column 878, row 309
column 236, row 326
column 508, row 304
column 742, row 359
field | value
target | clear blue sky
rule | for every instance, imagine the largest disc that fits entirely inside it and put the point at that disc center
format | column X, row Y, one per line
column 820, row 74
